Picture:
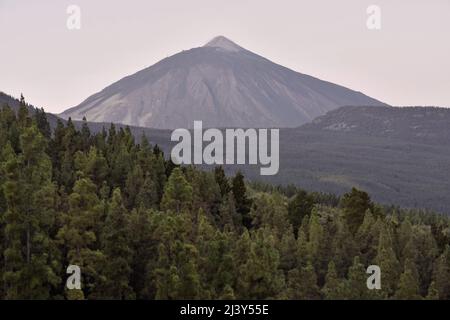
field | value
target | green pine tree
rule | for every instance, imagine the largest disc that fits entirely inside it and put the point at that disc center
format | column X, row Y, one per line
column 243, row 204
column 177, row 193
column 302, row 284
column 387, row 260
column 355, row 204
column 441, row 275
column 332, row 289
column 117, row 251
column 31, row 256
column 408, row 287
column 79, row 235
column 222, row 181
column 299, row 207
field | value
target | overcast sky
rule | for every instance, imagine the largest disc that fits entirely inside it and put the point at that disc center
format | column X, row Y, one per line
column 407, row 62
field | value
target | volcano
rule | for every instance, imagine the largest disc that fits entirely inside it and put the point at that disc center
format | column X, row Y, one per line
column 221, row 84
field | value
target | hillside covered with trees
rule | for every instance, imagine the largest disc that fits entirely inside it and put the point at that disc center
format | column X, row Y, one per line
column 140, row 227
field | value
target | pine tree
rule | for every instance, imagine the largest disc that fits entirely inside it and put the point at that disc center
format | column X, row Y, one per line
column 259, row 276
column 117, row 251
column 433, row 294
column 66, row 145
column 302, row 284
column 405, row 243
column 23, row 116
column 225, row 277
column 299, row 207
column 243, row 204
column 147, row 198
column 189, row 285
column 140, row 227
column 205, row 192
column 42, row 123
column 229, row 219
column 165, row 276
column 222, row 181
column 408, row 287
column 177, row 278
column 96, row 167
column 367, row 237
column 177, row 193
column 215, row 259
column 158, row 172
column 13, row 281
column 270, row 211
column 302, row 253
column 79, row 236
column 85, row 136
column 317, row 247
column 133, row 186
column 287, row 247
column 332, row 289
column 120, row 163
column 356, row 287
column 355, row 204
column 2, row 234
column 30, row 273
column 343, row 246
column 441, row 274
column 228, row 293
column 387, row 261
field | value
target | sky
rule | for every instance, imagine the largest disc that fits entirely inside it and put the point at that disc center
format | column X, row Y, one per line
column 406, row 62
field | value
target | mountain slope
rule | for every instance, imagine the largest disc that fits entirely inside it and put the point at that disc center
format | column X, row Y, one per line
column 400, row 156
column 425, row 124
column 14, row 104
column 222, row 84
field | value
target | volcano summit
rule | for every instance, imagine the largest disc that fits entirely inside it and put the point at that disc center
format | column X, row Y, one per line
column 221, row 84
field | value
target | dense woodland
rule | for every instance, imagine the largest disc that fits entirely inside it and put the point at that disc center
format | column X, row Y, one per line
column 140, row 227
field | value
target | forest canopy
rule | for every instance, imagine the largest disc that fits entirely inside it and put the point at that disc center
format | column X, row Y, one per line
column 140, row 227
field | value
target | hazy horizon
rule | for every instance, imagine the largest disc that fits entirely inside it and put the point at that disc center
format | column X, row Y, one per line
column 405, row 63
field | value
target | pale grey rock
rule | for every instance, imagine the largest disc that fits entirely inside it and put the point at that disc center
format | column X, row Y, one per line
column 222, row 84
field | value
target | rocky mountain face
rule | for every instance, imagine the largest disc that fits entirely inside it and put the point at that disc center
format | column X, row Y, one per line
column 222, row 84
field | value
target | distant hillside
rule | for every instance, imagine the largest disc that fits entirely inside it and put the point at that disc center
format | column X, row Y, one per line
column 430, row 124
column 14, row 103
column 222, row 84
column 399, row 155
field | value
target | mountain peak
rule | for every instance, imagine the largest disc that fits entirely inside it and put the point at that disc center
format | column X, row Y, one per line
column 223, row 43
column 221, row 84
